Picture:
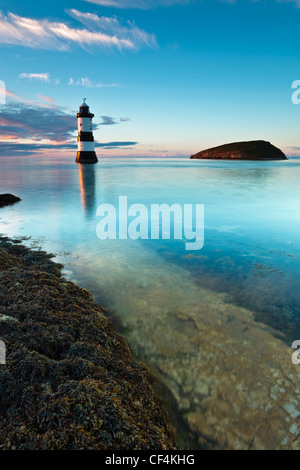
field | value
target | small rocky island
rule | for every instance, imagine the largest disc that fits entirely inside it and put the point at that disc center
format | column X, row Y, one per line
column 8, row 199
column 251, row 150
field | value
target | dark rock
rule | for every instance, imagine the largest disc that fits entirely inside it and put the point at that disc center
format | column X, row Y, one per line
column 70, row 381
column 7, row 199
column 252, row 150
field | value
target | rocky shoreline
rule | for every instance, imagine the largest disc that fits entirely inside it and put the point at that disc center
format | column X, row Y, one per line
column 69, row 381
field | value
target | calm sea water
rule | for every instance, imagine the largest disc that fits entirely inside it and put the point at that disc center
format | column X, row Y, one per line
column 174, row 305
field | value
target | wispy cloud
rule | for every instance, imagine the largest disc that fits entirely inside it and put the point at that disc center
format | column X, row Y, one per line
column 42, row 77
column 4, row 92
column 107, row 121
column 141, row 4
column 114, row 145
column 13, row 149
column 110, row 121
column 297, row 2
column 43, row 101
column 44, row 34
column 115, row 27
column 50, row 101
column 86, row 82
column 149, row 4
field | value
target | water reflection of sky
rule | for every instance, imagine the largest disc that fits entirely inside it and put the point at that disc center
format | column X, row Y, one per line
column 189, row 314
column 252, row 220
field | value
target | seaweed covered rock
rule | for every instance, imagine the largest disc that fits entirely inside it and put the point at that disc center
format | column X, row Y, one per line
column 69, row 381
column 7, row 199
column 251, row 150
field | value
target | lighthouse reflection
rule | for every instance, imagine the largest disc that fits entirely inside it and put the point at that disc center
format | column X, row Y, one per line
column 87, row 181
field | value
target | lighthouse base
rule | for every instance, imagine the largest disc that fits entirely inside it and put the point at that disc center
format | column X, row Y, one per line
column 86, row 157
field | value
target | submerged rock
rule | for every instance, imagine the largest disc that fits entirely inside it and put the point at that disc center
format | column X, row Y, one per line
column 69, row 381
column 7, row 199
column 251, row 150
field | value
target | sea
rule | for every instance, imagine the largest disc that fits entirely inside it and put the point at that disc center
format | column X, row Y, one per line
column 216, row 326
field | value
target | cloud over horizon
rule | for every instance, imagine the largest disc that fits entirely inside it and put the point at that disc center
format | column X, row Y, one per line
column 27, row 129
column 28, row 121
column 12, row 149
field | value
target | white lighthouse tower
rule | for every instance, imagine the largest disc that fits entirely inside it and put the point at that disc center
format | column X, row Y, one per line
column 86, row 150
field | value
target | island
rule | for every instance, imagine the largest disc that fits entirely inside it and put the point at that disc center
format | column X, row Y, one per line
column 250, row 150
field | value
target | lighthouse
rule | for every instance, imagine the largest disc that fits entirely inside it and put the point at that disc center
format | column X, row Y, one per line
column 86, row 150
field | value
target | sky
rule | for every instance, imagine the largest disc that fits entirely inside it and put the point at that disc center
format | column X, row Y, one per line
column 162, row 77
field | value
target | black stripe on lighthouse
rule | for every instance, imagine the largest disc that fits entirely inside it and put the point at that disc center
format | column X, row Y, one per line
column 85, row 137
column 85, row 141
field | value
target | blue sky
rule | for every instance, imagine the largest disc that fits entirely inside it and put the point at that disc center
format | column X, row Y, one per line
column 163, row 77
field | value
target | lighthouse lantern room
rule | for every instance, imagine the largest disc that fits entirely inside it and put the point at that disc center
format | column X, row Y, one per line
column 86, row 150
